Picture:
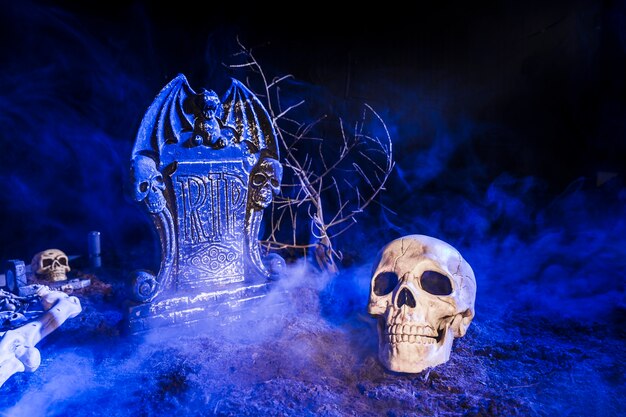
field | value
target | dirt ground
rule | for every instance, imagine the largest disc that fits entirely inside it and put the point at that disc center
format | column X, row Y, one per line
column 315, row 354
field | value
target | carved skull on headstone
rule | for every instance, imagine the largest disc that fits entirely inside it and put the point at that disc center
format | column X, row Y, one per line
column 265, row 179
column 53, row 264
column 148, row 184
column 422, row 292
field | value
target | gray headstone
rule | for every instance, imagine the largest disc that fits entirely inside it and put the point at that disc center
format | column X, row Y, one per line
column 205, row 169
column 14, row 275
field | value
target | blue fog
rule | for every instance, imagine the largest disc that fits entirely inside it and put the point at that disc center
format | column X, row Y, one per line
column 544, row 236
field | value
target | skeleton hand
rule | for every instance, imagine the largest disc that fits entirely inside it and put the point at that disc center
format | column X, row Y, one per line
column 17, row 347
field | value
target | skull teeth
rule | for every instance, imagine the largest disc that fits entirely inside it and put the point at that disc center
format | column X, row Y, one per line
column 406, row 338
column 57, row 276
column 406, row 333
column 155, row 206
column 411, row 330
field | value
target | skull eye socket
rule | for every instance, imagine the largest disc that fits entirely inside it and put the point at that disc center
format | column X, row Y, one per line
column 258, row 179
column 159, row 179
column 436, row 283
column 274, row 182
column 63, row 261
column 385, row 282
column 143, row 187
column 47, row 262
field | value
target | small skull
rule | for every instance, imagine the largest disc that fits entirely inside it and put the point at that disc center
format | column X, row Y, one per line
column 265, row 182
column 148, row 184
column 422, row 292
column 52, row 264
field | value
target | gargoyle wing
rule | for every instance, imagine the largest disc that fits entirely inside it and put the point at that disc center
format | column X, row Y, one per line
column 245, row 112
column 170, row 114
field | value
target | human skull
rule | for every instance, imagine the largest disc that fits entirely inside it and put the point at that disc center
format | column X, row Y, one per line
column 422, row 292
column 265, row 182
column 51, row 263
column 148, row 184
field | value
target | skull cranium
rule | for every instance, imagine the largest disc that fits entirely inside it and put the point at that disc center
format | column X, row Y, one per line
column 148, row 184
column 422, row 292
column 265, row 182
column 51, row 263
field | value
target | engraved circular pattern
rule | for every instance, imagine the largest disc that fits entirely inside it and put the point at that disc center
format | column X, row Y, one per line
column 214, row 259
column 144, row 285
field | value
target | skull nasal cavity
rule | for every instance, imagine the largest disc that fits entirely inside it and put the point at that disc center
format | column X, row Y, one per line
column 405, row 297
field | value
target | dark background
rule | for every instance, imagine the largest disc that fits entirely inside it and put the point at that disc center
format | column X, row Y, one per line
column 530, row 94
column 508, row 122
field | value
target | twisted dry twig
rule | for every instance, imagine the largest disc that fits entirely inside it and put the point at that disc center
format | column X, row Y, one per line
column 329, row 191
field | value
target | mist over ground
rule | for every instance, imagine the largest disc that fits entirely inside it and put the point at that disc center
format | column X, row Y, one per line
column 508, row 124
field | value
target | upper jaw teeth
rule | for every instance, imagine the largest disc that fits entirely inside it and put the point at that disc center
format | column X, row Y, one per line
column 411, row 329
column 411, row 333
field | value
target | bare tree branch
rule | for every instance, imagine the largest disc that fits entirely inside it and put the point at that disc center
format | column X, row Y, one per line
column 341, row 174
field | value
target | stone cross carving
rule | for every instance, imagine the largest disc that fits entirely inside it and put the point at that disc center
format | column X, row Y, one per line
column 205, row 169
